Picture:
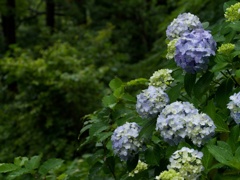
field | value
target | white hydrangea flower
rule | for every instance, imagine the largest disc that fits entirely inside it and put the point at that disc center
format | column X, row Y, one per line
column 171, row 48
column 200, row 128
column 124, row 139
column 161, row 78
column 141, row 166
column 185, row 22
column 151, row 101
column 171, row 123
column 234, row 107
column 187, row 162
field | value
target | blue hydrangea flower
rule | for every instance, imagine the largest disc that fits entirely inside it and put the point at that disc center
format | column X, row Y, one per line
column 193, row 50
column 171, row 123
column 124, row 139
column 200, row 128
column 187, row 162
column 234, row 107
column 151, row 101
column 185, row 22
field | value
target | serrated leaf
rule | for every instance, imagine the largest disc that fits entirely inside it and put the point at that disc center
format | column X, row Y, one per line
column 7, row 167
column 189, row 81
column 34, row 162
column 49, row 165
column 147, row 129
column 104, row 136
column 118, row 92
column 115, row 83
column 97, row 128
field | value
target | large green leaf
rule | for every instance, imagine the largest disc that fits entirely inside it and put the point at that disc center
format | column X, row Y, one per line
column 50, row 165
column 34, row 162
column 233, row 137
column 7, row 167
column 153, row 155
column 110, row 101
column 203, row 84
column 220, row 124
column 132, row 163
column 147, row 129
column 189, row 81
column 115, row 83
column 174, row 92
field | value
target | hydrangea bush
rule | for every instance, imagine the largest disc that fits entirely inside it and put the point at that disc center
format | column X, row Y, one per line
column 188, row 111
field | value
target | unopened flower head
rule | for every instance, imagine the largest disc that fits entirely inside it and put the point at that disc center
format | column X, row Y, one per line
column 172, row 124
column 200, row 128
column 151, row 102
column 233, row 12
column 161, row 78
column 185, row 22
column 226, row 48
column 171, row 48
column 194, row 49
column 124, row 139
column 187, row 162
column 234, row 107
column 141, row 166
column 171, row 174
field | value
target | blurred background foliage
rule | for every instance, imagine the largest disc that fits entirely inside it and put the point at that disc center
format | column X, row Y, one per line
column 58, row 56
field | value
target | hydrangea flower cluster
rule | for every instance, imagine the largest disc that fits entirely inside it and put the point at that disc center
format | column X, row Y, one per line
column 200, row 128
column 233, row 12
column 226, row 48
column 141, row 166
column 234, row 107
column 180, row 120
column 187, row 162
column 185, row 22
column 151, row 101
column 124, row 140
column 161, row 78
column 193, row 50
column 171, row 48
column 171, row 174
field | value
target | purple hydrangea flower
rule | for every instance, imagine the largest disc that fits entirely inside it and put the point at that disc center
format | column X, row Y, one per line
column 171, row 123
column 194, row 49
column 124, row 139
column 185, row 22
column 234, row 107
column 151, row 101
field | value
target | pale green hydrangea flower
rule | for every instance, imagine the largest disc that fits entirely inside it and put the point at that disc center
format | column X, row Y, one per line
column 141, row 166
column 226, row 48
column 161, row 78
column 187, row 162
column 171, row 48
column 233, row 12
column 171, row 174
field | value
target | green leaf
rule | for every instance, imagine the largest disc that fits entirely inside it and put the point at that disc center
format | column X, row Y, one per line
column 110, row 101
column 174, row 92
column 115, row 83
column 98, row 128
column 189, row 81
column 34, row 162
column 235, row 25
column 132, row 163
column 20, row 161
column 223, row 92
column 7, row 167
column 233, row 137
column 50, row 165
column 93, row 172
column 118, row 92
column 207, row 159
column 109, row 165
column 205, row 25
column 203, row 84
column 18, row 172
column 147, row 129
column 219, row 67
column 153, row 155
column 220, row 124
column 237, row 73
column 210, row 109
column 139, row 81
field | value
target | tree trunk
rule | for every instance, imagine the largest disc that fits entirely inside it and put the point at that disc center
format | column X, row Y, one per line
column 50, row 12
column 8, row 24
